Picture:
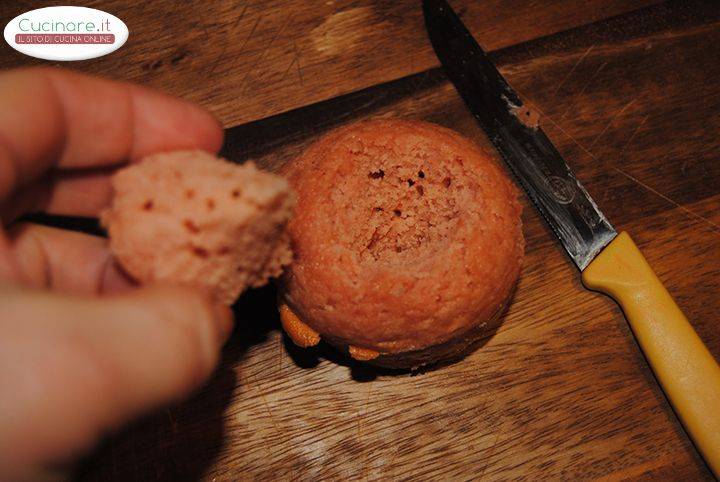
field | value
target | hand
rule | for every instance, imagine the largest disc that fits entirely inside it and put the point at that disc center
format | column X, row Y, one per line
column 82, row 350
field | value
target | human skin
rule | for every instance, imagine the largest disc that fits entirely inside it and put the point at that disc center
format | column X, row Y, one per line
column 74, row 332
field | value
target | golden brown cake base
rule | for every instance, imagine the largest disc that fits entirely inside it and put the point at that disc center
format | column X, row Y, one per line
column 452, row 350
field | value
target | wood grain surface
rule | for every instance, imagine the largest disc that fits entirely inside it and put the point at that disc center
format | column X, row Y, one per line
column 246, row 60
column 561, row 391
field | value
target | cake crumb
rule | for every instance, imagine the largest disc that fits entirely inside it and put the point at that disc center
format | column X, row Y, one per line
column 527, row 117
column 186, row 234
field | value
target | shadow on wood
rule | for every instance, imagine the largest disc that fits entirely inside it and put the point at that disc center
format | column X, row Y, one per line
column 182, row 442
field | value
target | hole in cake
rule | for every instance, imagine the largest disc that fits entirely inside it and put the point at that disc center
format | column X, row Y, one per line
column 190, row 194
column 148, row 205
column 410, row 215
column 235, row 193
column 210, row 204
column 199, row 251
column 191, row 226
column 373, row 239
column 446, row 182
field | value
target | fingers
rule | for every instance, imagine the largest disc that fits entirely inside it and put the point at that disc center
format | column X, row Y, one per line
column 84, row 193
column 9, row 267
column 53, row 117
column 74, row 193
column 66, row 261
column 73, row 368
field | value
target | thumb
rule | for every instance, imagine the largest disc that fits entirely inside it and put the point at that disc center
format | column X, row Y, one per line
column 73, row 368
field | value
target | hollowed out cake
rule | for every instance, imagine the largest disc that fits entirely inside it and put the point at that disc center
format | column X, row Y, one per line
column 407, row 240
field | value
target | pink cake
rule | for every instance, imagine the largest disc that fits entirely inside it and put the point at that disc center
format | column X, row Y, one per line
column 188, row 217
column 408, row 243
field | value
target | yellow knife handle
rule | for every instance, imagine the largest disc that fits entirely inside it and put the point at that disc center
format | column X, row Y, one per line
column 687, row 371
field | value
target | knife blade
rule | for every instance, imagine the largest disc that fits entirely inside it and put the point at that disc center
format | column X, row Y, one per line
column 576, row 220
column 609, row 262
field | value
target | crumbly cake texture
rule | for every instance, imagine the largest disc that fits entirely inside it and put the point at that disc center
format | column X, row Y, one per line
column 406, row 236
column 188, row 217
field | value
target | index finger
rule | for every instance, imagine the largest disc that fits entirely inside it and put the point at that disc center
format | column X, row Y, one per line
column 58, row 118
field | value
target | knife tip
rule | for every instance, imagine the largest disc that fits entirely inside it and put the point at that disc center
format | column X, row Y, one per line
column 436, row 5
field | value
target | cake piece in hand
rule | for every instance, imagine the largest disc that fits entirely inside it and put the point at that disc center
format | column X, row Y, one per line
column 188, row 217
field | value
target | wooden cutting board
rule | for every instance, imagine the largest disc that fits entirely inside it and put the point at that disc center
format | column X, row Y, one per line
column 628, row 92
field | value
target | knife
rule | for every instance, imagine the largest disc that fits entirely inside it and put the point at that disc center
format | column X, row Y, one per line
column 610, row 263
